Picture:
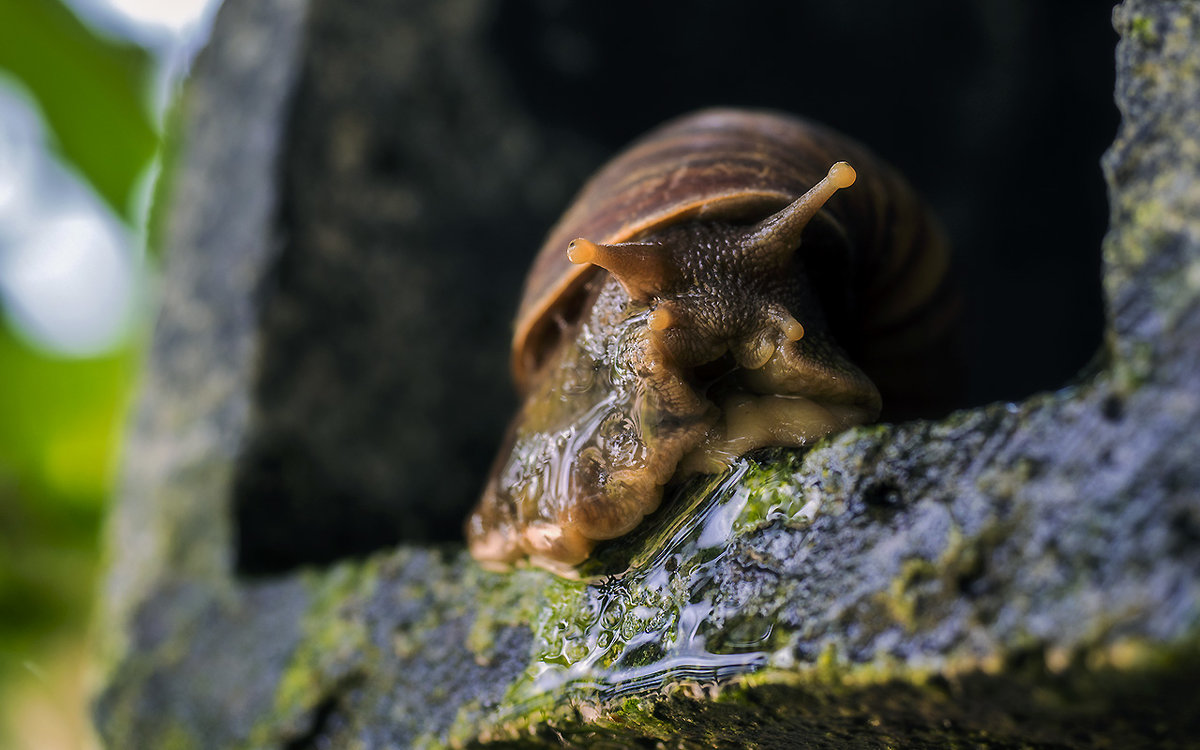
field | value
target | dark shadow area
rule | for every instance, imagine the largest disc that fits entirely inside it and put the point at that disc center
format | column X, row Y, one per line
column 427, row 158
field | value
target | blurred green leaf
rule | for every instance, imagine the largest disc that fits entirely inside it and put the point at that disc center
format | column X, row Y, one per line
column 92, row 91
column 59, row 421
column 60, row 417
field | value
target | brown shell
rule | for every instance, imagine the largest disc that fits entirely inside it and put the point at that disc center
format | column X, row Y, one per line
column 743, row 165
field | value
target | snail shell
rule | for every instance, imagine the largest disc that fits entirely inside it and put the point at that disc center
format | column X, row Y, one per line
column 713, row 289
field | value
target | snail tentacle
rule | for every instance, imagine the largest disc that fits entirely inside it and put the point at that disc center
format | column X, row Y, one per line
column 643, row 268
column 783, row 320
column 778, row 235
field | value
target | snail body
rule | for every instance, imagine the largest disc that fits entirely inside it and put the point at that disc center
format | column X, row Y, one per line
column 717, row 287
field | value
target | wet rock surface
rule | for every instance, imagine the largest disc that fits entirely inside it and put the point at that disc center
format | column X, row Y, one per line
column 1021, row 574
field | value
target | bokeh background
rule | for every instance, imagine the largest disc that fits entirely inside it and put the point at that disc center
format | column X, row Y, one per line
column 85, row 87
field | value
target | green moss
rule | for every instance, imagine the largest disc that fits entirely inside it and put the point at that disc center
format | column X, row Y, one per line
column 176, row 737
column 1142, row 29
column 525, row 597
column 901, row 600
column 333, row 638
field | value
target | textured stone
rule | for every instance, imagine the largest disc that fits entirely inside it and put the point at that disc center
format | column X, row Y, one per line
column 1015, row 575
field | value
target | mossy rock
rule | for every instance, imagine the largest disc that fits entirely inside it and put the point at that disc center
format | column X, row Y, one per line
column 1015, row 575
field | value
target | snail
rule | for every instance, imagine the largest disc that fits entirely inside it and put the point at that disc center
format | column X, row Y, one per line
column 733, row 280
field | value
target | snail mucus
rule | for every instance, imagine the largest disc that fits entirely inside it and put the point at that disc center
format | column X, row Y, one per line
column 733, row 280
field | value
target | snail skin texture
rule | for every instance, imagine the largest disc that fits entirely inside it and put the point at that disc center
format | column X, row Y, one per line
column 731, row 281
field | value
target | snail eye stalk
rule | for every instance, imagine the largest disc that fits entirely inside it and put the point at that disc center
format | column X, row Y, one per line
column 778, row 235
column 643, row 268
